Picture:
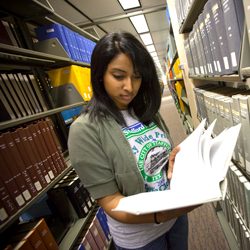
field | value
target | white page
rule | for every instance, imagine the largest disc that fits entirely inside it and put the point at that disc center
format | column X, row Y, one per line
column 193, row 182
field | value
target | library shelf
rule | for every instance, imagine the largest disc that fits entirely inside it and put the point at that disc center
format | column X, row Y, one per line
column 12, row 53
column 42, row 9
column 175, row 80
column 15, row 216
column 192, row 15
column 185, row 100
column 22, row 120
column 71, row 236
column 224, row 78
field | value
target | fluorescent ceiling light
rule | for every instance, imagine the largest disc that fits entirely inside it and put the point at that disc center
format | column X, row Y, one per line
column 153, row 54
column 146, row 38
column 129, row 4
column 150, row 48
column 139, row 23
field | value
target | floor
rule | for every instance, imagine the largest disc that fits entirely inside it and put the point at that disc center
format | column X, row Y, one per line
column 205, row 232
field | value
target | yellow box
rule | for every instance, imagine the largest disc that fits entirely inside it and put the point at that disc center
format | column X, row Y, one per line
column 77, row 75
column 179, row 89
column 177, row 71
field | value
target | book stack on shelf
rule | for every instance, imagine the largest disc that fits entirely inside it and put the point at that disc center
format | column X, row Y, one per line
column 77, row 47
column 20, row 95
column 96, row 235
column 30, row 160
column 44, row 85
column 236, row 206
column 215, row 49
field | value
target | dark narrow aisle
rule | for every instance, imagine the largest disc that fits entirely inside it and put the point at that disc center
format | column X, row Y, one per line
column 205, row 231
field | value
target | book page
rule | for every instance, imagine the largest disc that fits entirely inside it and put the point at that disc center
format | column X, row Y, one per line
column 194, row 181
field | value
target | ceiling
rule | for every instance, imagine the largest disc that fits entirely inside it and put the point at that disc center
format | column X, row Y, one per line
column 99, row 17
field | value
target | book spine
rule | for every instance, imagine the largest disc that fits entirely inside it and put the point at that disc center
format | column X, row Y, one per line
column 100, row 231
column 55, row 165
column 20, row 94
column 39, row 153
column 46, row 235
column 48, row 163
column 9, row 155
column 21, row 141
column 96, row 236
column 13, row 94
column 9, row 98
column 33, row 155
column 35, row 85
column 6, row 110
column 56, row 144
column 8, row 179
column 7, row 202
column 18, row 161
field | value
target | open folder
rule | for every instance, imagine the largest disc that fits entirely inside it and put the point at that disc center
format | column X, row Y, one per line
column 199, row 174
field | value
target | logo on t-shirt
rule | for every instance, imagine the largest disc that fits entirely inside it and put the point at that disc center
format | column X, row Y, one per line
column 151, row 149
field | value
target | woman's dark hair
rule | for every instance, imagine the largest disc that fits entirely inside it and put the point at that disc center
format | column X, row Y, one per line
column 147, row 101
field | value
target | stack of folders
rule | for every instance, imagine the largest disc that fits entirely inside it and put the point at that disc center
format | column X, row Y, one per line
column 230, row 106
column 213, row 47
column 78, row 48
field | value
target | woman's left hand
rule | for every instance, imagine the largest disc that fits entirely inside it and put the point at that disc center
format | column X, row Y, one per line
column 172, row 155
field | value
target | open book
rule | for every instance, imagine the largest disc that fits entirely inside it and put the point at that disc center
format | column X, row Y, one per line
column 199, row 174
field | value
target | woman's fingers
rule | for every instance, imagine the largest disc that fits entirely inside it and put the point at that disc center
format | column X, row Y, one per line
column 171, row 161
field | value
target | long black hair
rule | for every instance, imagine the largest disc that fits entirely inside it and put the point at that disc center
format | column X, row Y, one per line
column 147, row 101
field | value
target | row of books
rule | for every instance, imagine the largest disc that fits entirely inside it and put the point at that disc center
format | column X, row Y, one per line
column 97, row 235
column 239, row 193
column 229, row 106
column 213, row 47
column 32, row 235
column 20, row 96
column 30, row 158
column 240, row 232
column 182, row 9
column 78, row 48
column 69, row 199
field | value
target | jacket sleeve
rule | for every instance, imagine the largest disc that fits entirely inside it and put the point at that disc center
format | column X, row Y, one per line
column 89, row 160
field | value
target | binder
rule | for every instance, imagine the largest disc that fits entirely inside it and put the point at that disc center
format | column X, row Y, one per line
column 194, row 53
column 206, row 45
column 200, row 48
column 234, row 29
column 189, row 57
column 213, row 40
column 221, row 36
column 53, row 30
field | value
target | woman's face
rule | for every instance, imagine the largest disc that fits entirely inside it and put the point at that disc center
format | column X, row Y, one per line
column 121, row 82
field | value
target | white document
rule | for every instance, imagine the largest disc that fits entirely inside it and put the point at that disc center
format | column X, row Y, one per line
column 199, row 174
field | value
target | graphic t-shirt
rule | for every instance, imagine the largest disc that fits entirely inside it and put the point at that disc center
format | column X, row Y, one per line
column 151, row 149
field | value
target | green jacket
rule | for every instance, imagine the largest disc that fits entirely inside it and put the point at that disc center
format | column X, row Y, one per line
column 103, row 158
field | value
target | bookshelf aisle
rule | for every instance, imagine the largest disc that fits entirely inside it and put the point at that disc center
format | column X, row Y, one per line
column 37, row 106
column 213, row 46
column 175, row 83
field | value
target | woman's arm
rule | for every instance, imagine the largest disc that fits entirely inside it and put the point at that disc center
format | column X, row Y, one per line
column 111, row 201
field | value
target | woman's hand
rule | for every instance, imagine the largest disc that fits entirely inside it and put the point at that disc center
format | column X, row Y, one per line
column 171, row 159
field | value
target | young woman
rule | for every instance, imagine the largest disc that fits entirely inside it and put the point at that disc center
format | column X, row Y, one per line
column 120, row 145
